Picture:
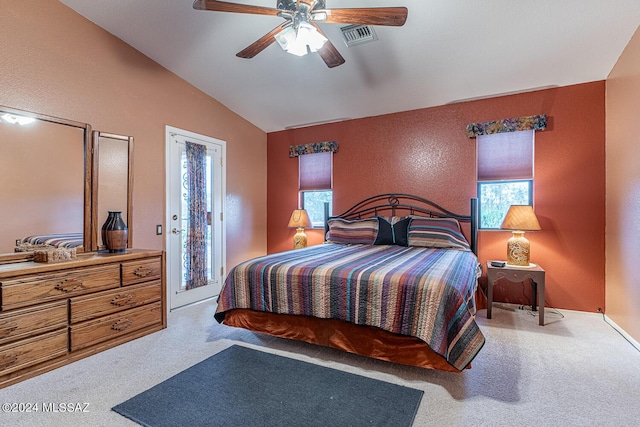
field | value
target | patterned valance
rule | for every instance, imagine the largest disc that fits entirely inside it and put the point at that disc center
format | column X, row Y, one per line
column 507, row 125
column 314, row 147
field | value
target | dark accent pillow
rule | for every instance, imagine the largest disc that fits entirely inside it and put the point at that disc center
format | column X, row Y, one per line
column 393, row 234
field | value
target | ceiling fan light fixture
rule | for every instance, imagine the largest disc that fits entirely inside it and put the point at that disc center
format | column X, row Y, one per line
column 307, row 34
column 14, row 118
column 301, row 40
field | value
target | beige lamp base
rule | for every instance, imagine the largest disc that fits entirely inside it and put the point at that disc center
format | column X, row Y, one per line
column 299, row 239
column 518, row 250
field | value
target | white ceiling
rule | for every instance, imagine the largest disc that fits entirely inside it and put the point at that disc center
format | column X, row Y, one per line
column 448, row 50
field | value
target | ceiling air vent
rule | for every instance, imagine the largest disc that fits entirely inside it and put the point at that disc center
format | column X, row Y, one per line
column 358, row 34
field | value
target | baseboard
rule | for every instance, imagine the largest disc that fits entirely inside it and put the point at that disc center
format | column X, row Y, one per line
column 622, row 332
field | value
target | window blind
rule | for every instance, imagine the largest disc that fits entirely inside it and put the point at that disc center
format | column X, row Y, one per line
column 505, row 156
column 315, row 171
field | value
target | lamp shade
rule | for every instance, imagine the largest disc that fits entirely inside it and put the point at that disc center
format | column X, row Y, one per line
column 520, row 217
column 299, row 219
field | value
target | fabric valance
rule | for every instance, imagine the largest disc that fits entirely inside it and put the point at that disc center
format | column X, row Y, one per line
column 313, row 148
column 507, row 125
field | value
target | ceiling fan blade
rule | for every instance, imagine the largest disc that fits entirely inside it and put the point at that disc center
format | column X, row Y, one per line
column 393, row 16
column 223, row 6
column 328, row 51
column 262, row 43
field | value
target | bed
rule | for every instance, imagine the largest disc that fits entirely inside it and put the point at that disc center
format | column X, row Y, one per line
column 395, row 280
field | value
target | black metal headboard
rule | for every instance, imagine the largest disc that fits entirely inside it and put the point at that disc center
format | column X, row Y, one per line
column 399, row 204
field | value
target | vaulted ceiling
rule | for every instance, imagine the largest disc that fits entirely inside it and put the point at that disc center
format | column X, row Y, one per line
column 448, row 51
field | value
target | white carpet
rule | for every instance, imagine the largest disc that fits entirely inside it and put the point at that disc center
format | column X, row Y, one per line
column 575, row 371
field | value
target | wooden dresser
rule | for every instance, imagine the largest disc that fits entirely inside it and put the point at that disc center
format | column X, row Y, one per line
column 54, row 314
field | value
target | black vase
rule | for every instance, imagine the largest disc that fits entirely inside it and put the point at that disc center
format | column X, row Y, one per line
column 115, row 234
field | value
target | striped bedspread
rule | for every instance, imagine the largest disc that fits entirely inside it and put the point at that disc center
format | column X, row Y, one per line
column 68, row 240
column 422, row 292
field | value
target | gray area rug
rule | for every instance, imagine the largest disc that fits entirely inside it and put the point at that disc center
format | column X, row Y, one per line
column 244, row 387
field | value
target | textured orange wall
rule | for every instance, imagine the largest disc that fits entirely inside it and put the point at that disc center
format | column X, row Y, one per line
column 58, row 63
column 623, row 190
column 426, row 152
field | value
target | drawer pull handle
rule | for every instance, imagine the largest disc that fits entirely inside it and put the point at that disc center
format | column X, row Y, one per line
column 6, row 360
column 120, row 300
column 69, row 285
column 142, row 271
column 121, row 324
column 6, row 328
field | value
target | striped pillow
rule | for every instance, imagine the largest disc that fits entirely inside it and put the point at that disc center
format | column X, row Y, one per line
column 344, row 231
column 437, row 233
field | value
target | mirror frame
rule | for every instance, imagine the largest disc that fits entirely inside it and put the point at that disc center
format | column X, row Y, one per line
column 88, row 241
column 95, row 238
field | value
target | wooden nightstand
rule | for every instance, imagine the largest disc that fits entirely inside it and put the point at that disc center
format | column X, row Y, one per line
column 515, row 275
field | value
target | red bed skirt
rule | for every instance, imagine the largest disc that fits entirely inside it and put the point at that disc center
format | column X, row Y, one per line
column 363, row 340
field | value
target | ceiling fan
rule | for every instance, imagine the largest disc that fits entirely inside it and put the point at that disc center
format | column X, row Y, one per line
column 300, row 33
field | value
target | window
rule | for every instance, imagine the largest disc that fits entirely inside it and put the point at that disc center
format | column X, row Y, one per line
column 505, row 174
column 313, row 202
column 315, row 185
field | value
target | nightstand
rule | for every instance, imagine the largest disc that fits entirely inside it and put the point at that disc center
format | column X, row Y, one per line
column 517, row 274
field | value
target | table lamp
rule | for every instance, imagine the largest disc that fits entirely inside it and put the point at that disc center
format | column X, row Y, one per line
column 299, row 220
column 519, row 218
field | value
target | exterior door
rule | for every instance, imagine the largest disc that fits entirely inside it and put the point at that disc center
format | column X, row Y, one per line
column 177, row 221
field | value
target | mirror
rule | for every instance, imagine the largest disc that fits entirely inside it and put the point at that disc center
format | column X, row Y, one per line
column 58, row 180
column 45, row 179
column 114, row 186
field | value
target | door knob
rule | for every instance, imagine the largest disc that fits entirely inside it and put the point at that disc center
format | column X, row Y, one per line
column 177, row 231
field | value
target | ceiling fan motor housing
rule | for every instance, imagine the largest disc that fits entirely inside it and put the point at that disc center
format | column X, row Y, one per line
column 291, row 4
column 299, row 12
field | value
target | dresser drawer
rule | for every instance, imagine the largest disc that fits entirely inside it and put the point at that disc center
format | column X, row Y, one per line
column 141, row 271
column 31, row 351
column 107, row 302
column 26, row 322
column 113, row 326
column 34, row 289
